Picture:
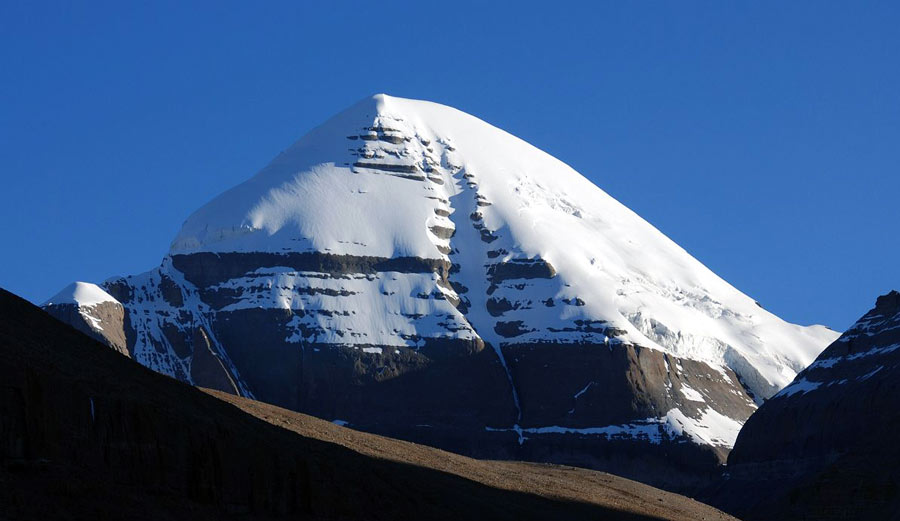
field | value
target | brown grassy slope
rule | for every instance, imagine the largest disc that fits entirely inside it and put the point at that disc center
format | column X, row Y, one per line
column 550, row 481
column 86, row 433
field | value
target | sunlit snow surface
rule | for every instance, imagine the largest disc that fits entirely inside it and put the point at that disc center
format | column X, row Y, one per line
column 80, row 294
column 312, row 198
column 84, row 296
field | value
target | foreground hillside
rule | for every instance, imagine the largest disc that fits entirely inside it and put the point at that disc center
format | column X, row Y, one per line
column 86, row 433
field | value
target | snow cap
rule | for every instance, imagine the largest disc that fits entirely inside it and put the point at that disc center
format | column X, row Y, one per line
column 82, row 294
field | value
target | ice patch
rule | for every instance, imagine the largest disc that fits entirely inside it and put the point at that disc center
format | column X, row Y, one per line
column 690, row 393
column 94, row 321
column 712, row 428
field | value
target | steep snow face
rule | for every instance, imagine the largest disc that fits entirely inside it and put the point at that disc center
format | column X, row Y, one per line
column 392, row 177
column 81, row 294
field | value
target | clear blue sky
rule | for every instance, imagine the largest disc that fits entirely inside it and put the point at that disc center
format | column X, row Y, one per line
column 764, row 137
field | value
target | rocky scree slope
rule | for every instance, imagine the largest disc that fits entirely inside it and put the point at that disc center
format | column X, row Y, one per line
column 88, row 434
column 825, row 446
column 411, row 270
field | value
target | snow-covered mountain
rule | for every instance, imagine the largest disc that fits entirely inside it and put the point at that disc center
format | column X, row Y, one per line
column 410, row 269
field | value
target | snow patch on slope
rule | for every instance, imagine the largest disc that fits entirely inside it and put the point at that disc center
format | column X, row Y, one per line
column 710, row 428
column 690, row 393
column 800, row 386
column 825, row 363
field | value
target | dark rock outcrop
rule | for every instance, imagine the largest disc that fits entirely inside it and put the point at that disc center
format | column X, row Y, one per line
column 104, row 322
column 207, row 369
column 825, row 446
column 208, row 269
column 620, row 386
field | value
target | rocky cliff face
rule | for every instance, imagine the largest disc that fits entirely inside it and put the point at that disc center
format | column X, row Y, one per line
column 88, row 434
column 410, row 270
column 89, row 309
column 824, row 447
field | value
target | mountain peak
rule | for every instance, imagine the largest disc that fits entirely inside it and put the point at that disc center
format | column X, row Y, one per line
column 406, row 264
column 888, row 303
column 80, row 294
column 383, row 100
column 393, row 177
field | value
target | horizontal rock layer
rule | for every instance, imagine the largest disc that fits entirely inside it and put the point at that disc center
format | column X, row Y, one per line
column 288, row 338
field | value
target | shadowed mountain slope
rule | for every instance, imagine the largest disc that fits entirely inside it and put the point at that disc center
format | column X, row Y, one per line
column 825, row 447
column 86, row 433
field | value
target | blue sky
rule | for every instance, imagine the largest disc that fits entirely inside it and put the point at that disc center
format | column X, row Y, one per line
column 764, row 137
